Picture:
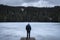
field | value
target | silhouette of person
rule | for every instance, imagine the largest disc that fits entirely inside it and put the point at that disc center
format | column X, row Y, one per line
column 28, row 29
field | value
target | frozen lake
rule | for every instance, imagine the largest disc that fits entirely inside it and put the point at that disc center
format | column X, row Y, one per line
column 41, row 31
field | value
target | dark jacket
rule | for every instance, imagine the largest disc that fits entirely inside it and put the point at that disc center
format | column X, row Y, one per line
column 28, row 28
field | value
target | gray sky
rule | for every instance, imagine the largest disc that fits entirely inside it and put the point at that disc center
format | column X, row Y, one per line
column 36, row 3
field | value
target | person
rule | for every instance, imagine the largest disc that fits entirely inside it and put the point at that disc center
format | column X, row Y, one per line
column 28, row 29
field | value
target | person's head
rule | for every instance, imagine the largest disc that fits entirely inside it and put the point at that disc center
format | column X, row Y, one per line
column 28, row 24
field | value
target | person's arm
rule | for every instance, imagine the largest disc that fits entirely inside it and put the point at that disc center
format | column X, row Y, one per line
column 30, row 28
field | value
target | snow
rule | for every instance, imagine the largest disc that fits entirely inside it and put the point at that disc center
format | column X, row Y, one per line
column 41, row 31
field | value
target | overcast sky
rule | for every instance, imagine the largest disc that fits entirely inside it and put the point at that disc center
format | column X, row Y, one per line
column 36, row 3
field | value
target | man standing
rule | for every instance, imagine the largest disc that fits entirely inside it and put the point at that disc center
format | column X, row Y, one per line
column 28, row 29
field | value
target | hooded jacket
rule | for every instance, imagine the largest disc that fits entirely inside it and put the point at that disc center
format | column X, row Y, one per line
column 28, row 28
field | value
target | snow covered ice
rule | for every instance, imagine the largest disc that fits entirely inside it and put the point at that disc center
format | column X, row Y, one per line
column 41, row 31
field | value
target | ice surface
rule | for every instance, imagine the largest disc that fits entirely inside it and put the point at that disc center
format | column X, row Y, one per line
column 41, row 31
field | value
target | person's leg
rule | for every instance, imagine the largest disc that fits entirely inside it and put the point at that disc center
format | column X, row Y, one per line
column 29, row 34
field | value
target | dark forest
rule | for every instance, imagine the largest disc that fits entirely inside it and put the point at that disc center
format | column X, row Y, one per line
column 29, row 14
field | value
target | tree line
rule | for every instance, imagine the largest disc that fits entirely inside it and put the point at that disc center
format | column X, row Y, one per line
column 29, row 14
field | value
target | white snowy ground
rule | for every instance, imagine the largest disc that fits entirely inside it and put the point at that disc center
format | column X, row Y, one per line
column 41, row 31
